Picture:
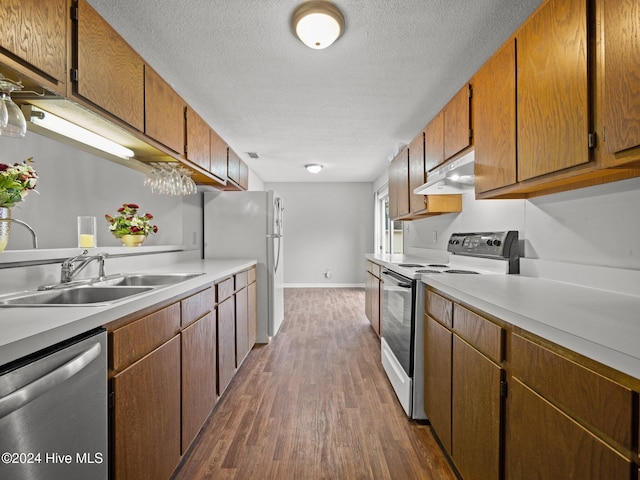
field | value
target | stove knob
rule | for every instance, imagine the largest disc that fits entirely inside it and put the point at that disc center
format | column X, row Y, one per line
column 489, row 242
column 497, row 243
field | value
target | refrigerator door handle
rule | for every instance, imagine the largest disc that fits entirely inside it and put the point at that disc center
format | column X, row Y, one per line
column 274, row 235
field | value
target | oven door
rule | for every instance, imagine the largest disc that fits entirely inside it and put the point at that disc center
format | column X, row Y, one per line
column 398, row 332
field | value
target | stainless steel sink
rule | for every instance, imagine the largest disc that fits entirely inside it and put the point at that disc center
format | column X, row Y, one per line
column 78, row 295
column 148, row 280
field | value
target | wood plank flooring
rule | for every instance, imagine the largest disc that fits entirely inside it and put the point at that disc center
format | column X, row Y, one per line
column 314, row 404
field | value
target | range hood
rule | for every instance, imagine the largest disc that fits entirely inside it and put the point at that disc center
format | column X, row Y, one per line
column 453, row 177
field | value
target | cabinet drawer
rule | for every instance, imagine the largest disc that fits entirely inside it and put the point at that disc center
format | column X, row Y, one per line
column 197, row 306
column 242, row 280
column 252, row 274
column 440, row 308
column 224, row 290
column 136, row 339
column 580, row 392
column 483, row 334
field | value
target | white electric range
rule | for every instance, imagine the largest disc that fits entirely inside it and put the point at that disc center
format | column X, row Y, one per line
column 402, row 346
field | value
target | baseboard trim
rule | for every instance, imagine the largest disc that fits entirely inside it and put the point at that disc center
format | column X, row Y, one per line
column 324, row 285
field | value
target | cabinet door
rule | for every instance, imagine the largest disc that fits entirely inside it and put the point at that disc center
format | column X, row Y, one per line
column 457, row 123
column 36, row 33
column 199, row 371
column 237, row 171
column 243, row 345
column 437, row 379
column 198, row 148
column 542, row 442
column 475, row 411
column 164, row 112
column 553, row 103
column 621, row 75
column 399, row 185
column 146, row 416
column 218, row 156
column 417, row 174
column 226, row 343
column 494, row 103
column 110, row 74
column 252, row 312
column 434, row 142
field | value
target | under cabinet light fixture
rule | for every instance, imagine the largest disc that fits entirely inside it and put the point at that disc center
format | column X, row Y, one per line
column 314, row 167
column 317, row 23
column 58, row 125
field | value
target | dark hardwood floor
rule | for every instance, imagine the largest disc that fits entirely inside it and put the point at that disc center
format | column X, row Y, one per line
column 314, row 404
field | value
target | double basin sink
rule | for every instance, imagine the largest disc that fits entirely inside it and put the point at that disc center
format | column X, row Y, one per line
column 94, row 292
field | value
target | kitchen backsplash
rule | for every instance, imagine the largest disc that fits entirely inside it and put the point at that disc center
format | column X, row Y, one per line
column 597, row 225
column 74, row 182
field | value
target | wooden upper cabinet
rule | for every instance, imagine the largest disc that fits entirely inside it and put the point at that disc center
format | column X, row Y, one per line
column 621, row 103
column 107, row 71
column 434, row 142
column 219, row 154
column 552, row 85
column 197, row 138
column 417, row 174
column 457, row 123
column 494, row 103
column 164, row 112
column 237, row 172
column 399, row 185
column 36, row 33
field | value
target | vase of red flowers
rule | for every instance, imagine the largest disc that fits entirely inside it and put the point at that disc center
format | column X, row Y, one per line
column 131, row 228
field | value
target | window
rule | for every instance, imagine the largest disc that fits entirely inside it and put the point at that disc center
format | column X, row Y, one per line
column 388, row 233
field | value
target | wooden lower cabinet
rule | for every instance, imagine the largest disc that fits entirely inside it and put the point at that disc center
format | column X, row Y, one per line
column 146, row 416
column 475, row 413
column 199, row 376
column 226, row 343
column 437, row 379
column 372, row 301
column 544, row 443
column 243, row 341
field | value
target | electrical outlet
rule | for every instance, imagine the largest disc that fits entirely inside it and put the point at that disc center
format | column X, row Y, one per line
column 327, row 273
column 434, row 237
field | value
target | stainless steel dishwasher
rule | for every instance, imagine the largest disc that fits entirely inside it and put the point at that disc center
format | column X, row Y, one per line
column 53, row 412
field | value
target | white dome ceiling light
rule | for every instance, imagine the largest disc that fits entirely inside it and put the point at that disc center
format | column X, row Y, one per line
column 314, row 167
column 317, row 23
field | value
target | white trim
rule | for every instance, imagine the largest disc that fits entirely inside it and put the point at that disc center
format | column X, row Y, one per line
column 324, row 285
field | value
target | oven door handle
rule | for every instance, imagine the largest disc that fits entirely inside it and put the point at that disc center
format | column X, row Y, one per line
column 396, row 279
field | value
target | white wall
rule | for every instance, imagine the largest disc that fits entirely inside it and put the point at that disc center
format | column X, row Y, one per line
column 594, row 226
column 73, row 182
column 326, row 226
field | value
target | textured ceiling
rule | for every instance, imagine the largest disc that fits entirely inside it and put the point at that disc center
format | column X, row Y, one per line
column 348, row 107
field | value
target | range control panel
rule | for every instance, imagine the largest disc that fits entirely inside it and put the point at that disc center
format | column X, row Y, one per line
column 503, row 245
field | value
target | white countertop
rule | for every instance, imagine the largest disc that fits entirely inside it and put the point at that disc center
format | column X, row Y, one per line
column 26, row 330
column 599, row 323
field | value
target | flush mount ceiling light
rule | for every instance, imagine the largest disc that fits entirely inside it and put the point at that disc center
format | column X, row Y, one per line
column 317, row 23
column 314, row 167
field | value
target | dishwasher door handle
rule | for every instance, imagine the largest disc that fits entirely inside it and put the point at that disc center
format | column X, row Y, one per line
column 15, row 400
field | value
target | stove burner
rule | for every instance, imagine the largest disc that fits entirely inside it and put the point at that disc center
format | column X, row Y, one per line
column 461, row 271
column 410, row 265
column 428, row 271
column 437, row 265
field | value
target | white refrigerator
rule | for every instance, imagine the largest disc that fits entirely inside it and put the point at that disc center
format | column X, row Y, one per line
column 250, row 225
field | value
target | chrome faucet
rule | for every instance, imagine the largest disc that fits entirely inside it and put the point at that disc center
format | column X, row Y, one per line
column 25, row 225
column 70, row 270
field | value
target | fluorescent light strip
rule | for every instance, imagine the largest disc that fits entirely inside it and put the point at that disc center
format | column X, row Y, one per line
column 71, row 130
